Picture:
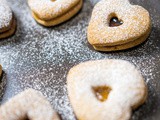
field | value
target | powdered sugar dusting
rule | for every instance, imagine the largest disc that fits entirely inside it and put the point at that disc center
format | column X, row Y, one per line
column 40, row 58
column 5, row 14
column 36, row 107
column 127, row 89
column 136, row 23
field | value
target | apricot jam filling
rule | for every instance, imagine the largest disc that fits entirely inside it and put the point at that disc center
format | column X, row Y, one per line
column 101, row 92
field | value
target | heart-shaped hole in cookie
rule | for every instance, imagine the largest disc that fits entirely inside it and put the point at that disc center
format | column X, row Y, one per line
column 53, row 0
column 101, row 92
column 114, row 22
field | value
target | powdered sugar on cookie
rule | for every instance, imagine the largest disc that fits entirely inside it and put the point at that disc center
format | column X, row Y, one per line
column 29, row 104
column 136, row 23
column 5, row 14
column 126, row 84
column 47, row 9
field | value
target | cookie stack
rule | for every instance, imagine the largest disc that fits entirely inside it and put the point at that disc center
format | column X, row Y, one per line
column 7, row 21
column 118, row 25
column 105, row 89
column 54, row 12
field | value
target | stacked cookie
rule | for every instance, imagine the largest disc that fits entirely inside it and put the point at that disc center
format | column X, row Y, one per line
column 105, row 90
column 118, row 25
column 54, row 12
column 7, row 21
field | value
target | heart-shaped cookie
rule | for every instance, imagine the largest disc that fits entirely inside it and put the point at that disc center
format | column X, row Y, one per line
column 54, row 12
column 7, row 21
column 105, row 89
column 28, row 105
column 118, row 25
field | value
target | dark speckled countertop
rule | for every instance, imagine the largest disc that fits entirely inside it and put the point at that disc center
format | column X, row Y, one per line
column 38, row 57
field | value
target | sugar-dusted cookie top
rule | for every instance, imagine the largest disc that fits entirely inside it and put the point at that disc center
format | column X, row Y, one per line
column 28, row 105
column 49, row 9
column 135, row 22
column 5, row 16
column 105, row 89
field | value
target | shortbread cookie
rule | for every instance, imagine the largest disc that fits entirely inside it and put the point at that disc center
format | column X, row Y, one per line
column 118, row 25
column 28, row 105
column 105, row 89
column 7, row 21
column 54, row 12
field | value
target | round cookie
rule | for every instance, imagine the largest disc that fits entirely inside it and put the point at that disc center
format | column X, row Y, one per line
column 54, row 12
column 28, row 105
column 7, row 21
column 105, row 89
column 133, row 24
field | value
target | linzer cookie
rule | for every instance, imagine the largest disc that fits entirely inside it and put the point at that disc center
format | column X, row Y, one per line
column 118, row 25
column 7, row 21
column 54, row 12
column 105, row 89
column 28, row 105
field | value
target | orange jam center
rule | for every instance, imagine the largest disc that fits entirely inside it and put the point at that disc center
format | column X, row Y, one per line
column 101, row 92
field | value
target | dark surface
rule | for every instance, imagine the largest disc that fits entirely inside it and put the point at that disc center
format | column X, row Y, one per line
column 38, row 57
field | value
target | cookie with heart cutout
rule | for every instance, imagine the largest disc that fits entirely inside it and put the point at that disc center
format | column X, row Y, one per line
column 54, row 12
column 28, row 105
column 118, row 25
column 105, row 89
column 7, row 20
